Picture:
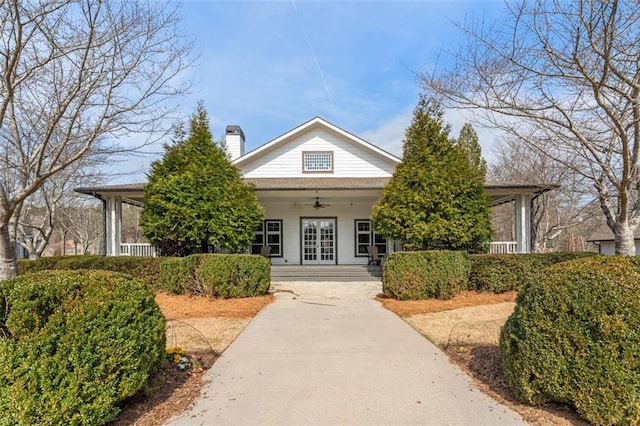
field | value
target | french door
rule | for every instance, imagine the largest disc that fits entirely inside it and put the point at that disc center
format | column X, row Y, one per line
column 318, row 241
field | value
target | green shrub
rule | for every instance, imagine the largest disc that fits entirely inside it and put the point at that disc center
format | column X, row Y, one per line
column 574, row 338
column 217, row 275
column 144, row 268
column 75, row 345
column 498, row 273
column 178, row 274
column 425, row 274
column 232, row 275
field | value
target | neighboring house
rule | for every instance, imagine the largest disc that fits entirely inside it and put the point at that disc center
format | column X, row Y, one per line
column 606, row 242
column 317, row 184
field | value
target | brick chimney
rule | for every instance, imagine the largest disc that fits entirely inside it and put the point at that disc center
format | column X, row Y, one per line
column 234, row 141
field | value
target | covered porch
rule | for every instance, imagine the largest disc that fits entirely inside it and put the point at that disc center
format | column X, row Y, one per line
column 312, row 221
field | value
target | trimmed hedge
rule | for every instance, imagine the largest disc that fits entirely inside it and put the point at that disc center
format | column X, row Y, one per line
column 177, row 273
column 498, row 273
column 144, row 268
column 74, row 345
column 574, row 338
column 218, row 275
column 425, row 274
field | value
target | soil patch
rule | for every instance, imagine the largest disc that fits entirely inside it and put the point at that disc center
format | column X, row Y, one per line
column 202, row 326
column 468, row 328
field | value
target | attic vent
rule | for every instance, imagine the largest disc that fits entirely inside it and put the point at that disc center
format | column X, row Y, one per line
column 314, row 162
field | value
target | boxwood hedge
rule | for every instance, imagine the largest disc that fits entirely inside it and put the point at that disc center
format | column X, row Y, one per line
column 217, row 275
column 497, row 273
column 74, row 344
column 425, row 274
column 144, row 268
column 574, row 338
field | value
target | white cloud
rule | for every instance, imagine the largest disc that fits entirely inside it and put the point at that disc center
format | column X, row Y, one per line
column 389, row 135
column 487, row 137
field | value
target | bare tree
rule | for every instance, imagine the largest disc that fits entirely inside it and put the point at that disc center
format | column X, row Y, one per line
column 563, row 77
column 131, row 229
column 35, row 219
column 556, row 214
column 75, row 76
column 81, row 222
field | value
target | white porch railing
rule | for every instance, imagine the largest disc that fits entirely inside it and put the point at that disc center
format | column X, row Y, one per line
column 503, row 247
column 147, row 250
column 137, row 249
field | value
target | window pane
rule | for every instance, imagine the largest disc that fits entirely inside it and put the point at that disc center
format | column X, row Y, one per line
column 273, row 239
column 381, row 243
column 275, row 250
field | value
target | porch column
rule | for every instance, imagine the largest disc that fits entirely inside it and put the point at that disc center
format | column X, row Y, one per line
column 113, row 225
column 523, row 223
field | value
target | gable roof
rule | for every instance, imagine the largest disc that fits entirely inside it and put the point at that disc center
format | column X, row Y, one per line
column 314, row 123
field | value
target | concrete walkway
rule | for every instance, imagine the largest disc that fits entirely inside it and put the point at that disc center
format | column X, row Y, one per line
column 328, row 354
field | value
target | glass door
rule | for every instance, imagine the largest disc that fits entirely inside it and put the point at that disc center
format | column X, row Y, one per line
column 318, row 241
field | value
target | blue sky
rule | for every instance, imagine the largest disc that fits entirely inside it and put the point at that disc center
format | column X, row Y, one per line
column 269, row 66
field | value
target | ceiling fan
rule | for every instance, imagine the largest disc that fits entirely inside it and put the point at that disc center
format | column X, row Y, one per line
column 318, row 205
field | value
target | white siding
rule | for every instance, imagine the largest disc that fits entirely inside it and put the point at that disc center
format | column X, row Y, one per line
column 609, row 247
column 345, row 214
column 349, row 159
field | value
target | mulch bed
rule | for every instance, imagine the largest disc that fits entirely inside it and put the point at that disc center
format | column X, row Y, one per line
column 463, row 299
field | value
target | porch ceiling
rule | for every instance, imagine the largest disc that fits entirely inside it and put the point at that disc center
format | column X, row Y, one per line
column 324, row 195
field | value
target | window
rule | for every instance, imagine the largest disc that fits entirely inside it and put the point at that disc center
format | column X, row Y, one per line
column 366, row 236
column 269, row 233
column 258, row 239
column 317, row 162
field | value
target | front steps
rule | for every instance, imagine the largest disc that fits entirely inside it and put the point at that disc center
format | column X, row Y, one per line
column 326, row 273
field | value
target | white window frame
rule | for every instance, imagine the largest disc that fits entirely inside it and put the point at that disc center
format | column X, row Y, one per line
column 373, row 239
column 264, row 231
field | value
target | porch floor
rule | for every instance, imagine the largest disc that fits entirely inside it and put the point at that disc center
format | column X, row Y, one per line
column 325, row 273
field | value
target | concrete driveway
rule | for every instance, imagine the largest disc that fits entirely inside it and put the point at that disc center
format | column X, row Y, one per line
column 328, row 354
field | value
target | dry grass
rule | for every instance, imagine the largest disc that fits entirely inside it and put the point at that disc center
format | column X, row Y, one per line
column 202, row 335
column 467, row 328
column 474, row 325
column 204, row 327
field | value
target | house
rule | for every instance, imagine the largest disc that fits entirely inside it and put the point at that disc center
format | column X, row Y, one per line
column 606, row 242
column 317, row 184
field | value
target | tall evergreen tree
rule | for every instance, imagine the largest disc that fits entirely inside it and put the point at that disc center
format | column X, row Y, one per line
column 468, row 142
column 436, row 198
column 195, row 196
